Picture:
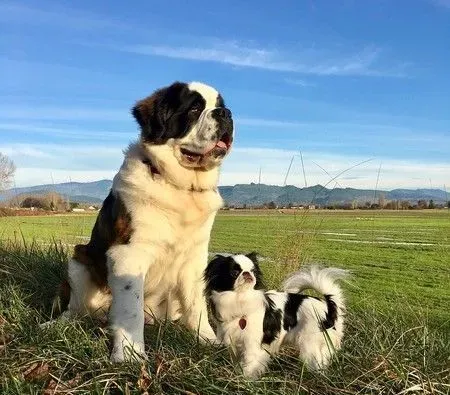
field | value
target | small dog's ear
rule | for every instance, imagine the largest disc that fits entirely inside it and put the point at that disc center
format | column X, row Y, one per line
column 253, row 256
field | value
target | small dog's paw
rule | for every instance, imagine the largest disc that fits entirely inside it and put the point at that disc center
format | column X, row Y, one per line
column 253, row 370
column 251, row 373
column 208, row 336
column 47, row 324
column 212, row 342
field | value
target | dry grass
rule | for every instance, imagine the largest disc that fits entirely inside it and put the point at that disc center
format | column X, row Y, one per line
column 385, row 352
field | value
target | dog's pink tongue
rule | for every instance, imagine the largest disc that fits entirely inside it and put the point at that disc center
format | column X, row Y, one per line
column 219, row 144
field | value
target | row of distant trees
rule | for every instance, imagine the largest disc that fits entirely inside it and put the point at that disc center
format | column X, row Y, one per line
column 355, row 205
column 390, row 205
column 50, row 201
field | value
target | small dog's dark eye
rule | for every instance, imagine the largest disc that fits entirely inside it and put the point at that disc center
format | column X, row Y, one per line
column 234, row 273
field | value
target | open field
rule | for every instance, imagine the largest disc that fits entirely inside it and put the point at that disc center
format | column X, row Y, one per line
column 396, row 256
column 398, row 324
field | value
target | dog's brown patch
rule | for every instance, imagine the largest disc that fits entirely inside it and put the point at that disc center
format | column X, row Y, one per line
column 112, row 227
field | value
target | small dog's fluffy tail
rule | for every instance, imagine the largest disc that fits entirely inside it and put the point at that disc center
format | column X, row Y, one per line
column 320, row 280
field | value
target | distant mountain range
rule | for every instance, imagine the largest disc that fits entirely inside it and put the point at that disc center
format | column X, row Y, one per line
column 249, row 194
column 82, row 192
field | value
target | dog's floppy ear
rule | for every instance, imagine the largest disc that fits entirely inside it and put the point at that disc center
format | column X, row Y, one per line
column 148, row 114
column 253, row 256
column 153, row 112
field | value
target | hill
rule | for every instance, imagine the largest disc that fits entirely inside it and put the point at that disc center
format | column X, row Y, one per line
column 249, row 194
column 81, row 192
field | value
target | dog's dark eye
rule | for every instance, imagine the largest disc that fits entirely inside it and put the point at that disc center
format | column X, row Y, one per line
column 234, row 273
column 195, row 110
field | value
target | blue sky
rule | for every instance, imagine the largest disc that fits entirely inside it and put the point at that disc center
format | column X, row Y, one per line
column 340, row 81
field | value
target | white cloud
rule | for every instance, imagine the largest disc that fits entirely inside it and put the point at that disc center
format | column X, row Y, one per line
column 315, row 62
column 322, row 62
column 244, row 164
column 442, row 3
column 66, row 132
column 83, row 164
column 64, row 159
column 24, row 150
column 299, row 82
column 52, row 113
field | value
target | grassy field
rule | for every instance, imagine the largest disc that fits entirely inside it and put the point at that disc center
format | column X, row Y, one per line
column 397, row 339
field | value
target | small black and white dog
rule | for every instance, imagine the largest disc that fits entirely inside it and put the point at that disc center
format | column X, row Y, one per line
column 256, row 323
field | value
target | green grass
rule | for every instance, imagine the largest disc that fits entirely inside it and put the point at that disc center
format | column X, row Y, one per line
column 397, row 336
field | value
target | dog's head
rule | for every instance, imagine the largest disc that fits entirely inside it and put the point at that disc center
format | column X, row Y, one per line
column 190, row 118
column 233, row 273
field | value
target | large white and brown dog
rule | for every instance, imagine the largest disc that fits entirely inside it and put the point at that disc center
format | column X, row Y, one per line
column 149, row 245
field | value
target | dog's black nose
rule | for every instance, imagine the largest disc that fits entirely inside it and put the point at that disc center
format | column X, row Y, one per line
column 225, row 135
column 247, row 276
column 222, row 112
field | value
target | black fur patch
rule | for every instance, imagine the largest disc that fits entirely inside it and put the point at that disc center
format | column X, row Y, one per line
column 332, row 313
column 221, row 273
column 271, row 323
column 290, row 310
column 168, row 113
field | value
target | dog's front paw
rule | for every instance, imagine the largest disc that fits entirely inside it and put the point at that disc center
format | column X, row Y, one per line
column 128, row 353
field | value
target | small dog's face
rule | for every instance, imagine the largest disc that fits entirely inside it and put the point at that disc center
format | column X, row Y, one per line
column 191, row 119
column 233, row 273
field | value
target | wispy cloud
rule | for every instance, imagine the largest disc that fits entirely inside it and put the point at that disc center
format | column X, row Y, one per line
column 442, row 3
column 65, row 132
column 299, row 82
column 28, row 112
column 38, row 164
column 367, row 61
column 322, row 63
column 35, row 162
column 24, row 150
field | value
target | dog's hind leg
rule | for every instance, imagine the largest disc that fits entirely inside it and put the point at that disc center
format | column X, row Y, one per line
column 194, row 310
column 86, row 297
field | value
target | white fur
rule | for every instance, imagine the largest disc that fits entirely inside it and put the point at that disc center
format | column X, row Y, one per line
column 208, row 93
column 315, row 346
column 163, row 263
column 244, row 262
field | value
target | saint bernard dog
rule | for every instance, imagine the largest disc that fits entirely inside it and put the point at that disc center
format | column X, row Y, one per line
column 149, row 246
